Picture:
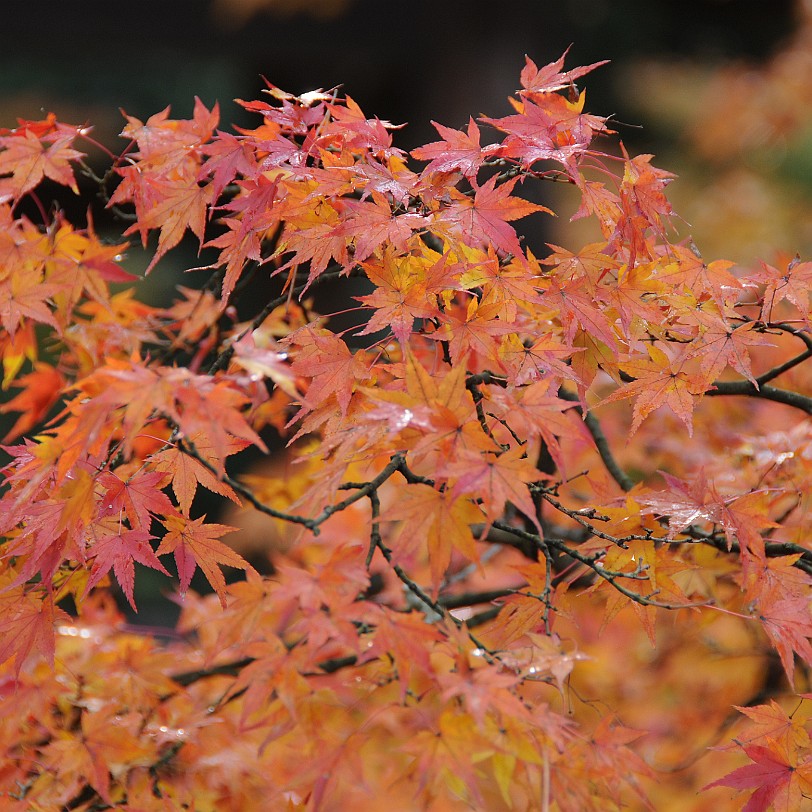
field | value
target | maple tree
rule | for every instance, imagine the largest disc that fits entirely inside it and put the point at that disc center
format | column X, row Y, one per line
column 540, row 536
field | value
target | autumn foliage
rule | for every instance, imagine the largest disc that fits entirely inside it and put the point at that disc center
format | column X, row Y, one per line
column 538, row 534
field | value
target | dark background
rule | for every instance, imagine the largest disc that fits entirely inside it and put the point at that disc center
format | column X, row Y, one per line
column 406, row 62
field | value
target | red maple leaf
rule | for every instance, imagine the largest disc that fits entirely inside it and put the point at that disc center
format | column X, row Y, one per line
column 787, row 621
column 228, row 156
column 138, row 497
column 187, row 473
column 329, row 364
column 182, row 205
column 457, row 152
column 256, row 212
column 474, row 329
column 439, row 519
column 119, row 551
column 373, row 224
column 793, row 284
column 554, row 129
column 780, row 781
column 550, row 77
column 483, row 219
column 742, row 517
column 723, row 344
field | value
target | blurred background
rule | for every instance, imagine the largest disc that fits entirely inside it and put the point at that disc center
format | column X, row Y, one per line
column 719, row 90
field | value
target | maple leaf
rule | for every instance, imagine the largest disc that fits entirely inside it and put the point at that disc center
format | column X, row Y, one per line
column 256, row 214
column 195, row 544
column 550, row 77
column 779, row 779
column 544, row 357
column 360, row 132
column 313, row 232
column 15, row 349
column 195, row 403
column 193, row 315
column 636, row 295
column 725, row 345
column 80, row 264
column 484, row 218
column 29, row 158
column 373, row 224
column 552, row 129
column 742, row 517
column 496, row 479
column 400, row 296
column 391, row 178
column 186, row 472
column 532, row 412
column 787, row 621
column 119, row 551
column 578, row 310
column 457, row 152
column 139, row 497
column 642, row 189
column 440, row 409
column 792, row 284
column 228, row 157
column 169, row 143
column 25, row 294
column 712, row 278
column 40, row 390
column 662, row 379
column 598, row 200
column 442, row 520
column 111, row 739
column 473, row 331
column 255, row 353
column 408, row 640
column 773, row 722
column 519, row 615
column 329, row 364
column 27, row 626
column 508, row 285
column 181, row 206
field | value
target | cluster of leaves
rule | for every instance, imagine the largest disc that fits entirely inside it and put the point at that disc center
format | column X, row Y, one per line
column 476, row 532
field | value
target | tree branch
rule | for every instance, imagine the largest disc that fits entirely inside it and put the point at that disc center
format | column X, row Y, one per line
column 601, row 443
column 473, row 598
column 747, row 388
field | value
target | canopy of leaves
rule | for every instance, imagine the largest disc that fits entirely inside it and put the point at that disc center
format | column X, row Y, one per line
column 540, row 520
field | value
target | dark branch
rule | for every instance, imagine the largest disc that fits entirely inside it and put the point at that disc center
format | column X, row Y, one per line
column 473, row 598
column 749, row 389
column 601, row 443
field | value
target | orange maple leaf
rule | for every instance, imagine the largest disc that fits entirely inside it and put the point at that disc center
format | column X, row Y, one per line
column 662, row 379
column 26, row 626
column 195, row 544
column 438, row 518
column 496, row 479
column 29, row 158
